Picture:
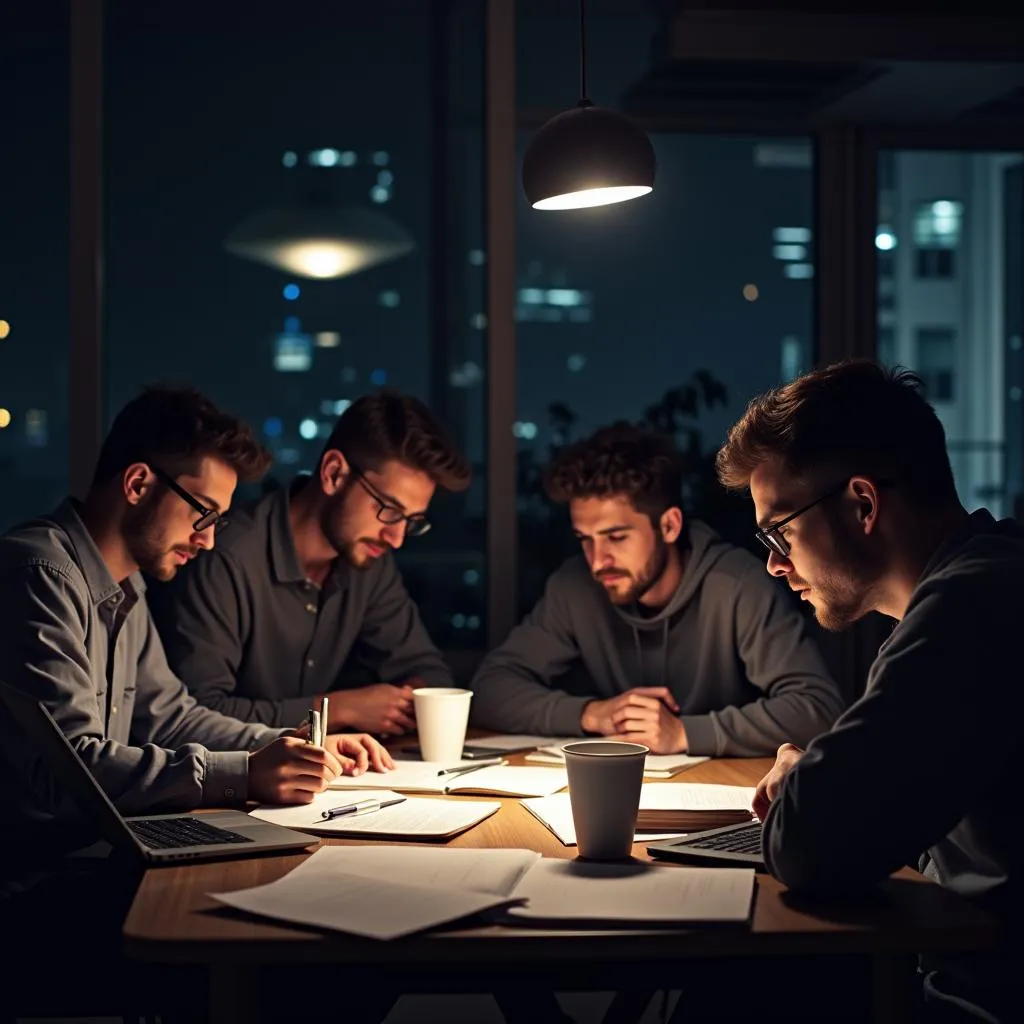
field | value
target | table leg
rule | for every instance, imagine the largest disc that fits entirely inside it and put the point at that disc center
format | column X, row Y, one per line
column 891, row 996
column 233, row 995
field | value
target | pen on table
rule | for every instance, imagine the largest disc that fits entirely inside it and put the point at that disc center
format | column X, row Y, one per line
column 462, row 769
column 360, row 807
column 323, row 720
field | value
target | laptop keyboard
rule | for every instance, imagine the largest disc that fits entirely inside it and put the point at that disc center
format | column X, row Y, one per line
column 740, row 840
column 170, row 833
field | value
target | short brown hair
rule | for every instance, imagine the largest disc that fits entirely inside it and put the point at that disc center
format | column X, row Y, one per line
column 851, row 417
column 621, row 459
column 387, row 426
column 176, row 427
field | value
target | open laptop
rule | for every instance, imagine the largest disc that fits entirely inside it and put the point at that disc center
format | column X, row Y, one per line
column 156, row 838
column 729, row 846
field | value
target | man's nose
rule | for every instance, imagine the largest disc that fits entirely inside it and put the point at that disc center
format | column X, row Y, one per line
column 204, row 538
column 778, row 565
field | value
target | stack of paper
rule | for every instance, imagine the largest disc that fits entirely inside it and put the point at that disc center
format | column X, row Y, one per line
column 412, row 818
column 353, row 889
column 656, row 766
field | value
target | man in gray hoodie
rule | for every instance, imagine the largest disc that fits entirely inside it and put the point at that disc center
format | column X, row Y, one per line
column 686, row 645
column 856, row 503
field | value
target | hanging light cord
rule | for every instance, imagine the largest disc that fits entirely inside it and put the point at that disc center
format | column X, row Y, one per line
column 584, row 98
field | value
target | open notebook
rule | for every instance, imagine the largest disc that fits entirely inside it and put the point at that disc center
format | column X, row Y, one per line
column 656, row 766
column 493, row 780
column 354, row 890
column 416, row 818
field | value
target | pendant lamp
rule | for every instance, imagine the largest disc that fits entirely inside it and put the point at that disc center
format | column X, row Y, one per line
column 587, row 156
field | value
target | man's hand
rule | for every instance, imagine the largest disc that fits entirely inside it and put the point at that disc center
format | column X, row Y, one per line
column 383, row 709
column 645, row 714
column 767, row 789
column 290, row 771
column 357, row 751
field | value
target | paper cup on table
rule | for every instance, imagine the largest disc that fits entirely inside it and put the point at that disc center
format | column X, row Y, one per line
column 605, row 777
column 442, row 714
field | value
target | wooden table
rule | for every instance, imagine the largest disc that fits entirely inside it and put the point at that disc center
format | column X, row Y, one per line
column 172, row 920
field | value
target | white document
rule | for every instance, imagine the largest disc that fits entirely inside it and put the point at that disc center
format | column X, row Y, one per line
column 555, row 814
column 695, row 796
column 659, row 766
column 566, row 892
column 353, row 889
column 423, row 777
column 413, row 818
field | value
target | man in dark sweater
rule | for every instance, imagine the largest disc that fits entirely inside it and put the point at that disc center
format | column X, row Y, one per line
column 686, row 644
column 856, row 503
column 302, row 596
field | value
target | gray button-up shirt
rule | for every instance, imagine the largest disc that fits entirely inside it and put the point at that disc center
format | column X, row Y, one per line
column 252, row 637
column 85, row 645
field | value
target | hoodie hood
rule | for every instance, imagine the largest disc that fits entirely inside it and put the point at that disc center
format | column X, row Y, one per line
column 706, row 549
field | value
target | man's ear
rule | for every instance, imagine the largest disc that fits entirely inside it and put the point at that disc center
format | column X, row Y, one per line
column 866, row 495
column 137, row 481
column 671, row 524
column 332, row 472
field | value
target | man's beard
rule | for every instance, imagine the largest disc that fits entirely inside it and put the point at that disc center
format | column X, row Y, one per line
column 844, row 594
column 147, row 550
column 649, row 576
column 333, row 526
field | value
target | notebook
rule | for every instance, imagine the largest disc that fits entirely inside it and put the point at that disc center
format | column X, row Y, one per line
column 492, row 780
column 656, row 766
column 355, row 890
column 417, row 818
column 693, row 806
column 555, row 814
column 155, row 838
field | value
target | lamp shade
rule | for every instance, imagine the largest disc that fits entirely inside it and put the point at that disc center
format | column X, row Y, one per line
column 319, row 241
column 587, row 156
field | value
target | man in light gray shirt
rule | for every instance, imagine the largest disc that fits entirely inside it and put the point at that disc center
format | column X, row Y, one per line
column 78, row 635
column 685, row 644
column 302, row 596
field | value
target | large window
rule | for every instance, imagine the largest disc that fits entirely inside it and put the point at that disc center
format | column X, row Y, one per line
column 360, row 122
column 949, row 241
column 33, row 259
column 673, row 309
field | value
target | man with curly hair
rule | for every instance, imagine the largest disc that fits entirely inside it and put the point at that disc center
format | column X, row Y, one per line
column 302, row 597
column 684, row 643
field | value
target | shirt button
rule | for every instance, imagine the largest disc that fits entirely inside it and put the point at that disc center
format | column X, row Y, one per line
column 115, row 599
column 113, row 709
column 310, row 607
column 310, row 663
column 229, row 792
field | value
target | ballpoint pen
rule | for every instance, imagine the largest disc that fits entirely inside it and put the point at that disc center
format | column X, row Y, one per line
column 311, row 738
column 360, row 807
column 462, row 769
column 323, row 720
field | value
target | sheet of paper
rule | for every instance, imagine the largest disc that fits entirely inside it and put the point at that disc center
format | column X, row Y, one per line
column 695, row 796
column 414, row 816
column 555, row 813
column 513, row 780
column 353, row 889
column 653, row 763
column 576, row 891
column 410, row 776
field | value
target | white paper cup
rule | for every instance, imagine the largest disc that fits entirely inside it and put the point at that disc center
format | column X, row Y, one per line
column 605, row 777
column 442, row 714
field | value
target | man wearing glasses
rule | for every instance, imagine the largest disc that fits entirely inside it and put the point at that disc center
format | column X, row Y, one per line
column 302, row 598
column 857, row 505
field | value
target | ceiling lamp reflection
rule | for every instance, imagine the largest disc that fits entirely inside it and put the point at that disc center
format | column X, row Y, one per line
column 319, row 242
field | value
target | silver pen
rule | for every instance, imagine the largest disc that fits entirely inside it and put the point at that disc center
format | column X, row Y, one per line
column 462, row 769
column 323, row 720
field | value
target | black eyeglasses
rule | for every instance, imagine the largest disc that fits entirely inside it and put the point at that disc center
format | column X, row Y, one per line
column 207, row 516
column 389, row 513
column 778, row 545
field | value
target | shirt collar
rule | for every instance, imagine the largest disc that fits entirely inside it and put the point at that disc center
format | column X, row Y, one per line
column 102, row 586
column 284, row 561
